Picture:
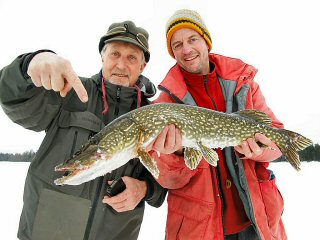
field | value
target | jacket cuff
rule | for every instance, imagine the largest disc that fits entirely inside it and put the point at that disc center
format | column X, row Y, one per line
column 27, row 60
column 170, row 161
column 150, row 188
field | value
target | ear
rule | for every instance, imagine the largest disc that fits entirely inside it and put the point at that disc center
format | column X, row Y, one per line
column 142, row 67
column 208, row 47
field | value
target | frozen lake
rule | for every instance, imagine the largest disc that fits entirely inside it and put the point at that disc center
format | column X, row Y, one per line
column 299, row 189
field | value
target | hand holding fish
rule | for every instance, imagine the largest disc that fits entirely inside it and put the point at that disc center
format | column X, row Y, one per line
column 168, row 141
column 53, row 72
column 128, row 199
column 252, row 149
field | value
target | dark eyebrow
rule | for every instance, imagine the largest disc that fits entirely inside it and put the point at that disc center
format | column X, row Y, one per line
column 173, row 43
column 192, row 36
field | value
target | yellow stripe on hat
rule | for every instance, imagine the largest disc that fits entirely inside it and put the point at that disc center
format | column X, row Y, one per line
column 186, row 18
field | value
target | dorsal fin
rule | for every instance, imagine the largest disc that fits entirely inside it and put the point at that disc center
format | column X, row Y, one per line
column 255, row 115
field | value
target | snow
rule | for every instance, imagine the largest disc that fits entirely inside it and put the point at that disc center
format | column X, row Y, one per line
column 299, row 190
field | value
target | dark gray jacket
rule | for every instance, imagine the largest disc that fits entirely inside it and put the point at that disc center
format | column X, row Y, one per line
column 72, row 212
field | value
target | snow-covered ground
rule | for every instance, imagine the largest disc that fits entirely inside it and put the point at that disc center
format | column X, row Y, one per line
column 299, row 189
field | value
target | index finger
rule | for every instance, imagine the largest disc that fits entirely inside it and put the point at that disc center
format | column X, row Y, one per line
column 160, row 140
column 259, row 137
column 75, row 82
column 119, row 198
column 171, row 136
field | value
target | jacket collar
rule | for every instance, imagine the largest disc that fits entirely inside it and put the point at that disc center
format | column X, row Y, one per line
column 233, row 69
column 147, row 88
column 226, row 67
column 195, row 80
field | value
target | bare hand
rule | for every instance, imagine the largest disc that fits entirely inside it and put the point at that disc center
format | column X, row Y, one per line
column 168, row 141
column 127, row 200
column 251, row 149
column 55, row 73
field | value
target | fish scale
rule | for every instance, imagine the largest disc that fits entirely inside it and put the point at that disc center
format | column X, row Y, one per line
column 202, row 131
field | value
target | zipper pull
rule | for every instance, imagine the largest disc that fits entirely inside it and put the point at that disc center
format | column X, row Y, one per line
column 205, row 79
column 118, row 94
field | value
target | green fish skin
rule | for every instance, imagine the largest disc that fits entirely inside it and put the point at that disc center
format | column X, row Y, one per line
column 202, row 130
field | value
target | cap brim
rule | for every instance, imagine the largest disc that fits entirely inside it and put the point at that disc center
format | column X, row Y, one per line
column 129, row 40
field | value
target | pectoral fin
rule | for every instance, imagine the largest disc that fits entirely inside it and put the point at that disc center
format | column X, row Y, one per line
column 148, row 162
column 209, row 154
column 192, row 157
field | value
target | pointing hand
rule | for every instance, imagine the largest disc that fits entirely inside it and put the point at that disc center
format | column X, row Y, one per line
column 55, row 73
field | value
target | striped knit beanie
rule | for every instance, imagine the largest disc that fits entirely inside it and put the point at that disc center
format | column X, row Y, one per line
column 185, row 18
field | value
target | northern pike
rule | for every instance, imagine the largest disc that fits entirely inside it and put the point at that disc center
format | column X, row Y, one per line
column 202, row 131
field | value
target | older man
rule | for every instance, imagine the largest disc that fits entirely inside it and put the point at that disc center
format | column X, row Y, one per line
column 238, row 199
column 40, row 91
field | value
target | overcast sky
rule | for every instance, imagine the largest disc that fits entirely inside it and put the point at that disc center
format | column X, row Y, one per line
column 280, row 38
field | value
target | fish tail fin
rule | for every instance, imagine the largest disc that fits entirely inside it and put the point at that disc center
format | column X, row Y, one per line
column 295, row 143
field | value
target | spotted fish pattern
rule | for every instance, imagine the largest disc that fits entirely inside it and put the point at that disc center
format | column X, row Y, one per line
column 203, row 130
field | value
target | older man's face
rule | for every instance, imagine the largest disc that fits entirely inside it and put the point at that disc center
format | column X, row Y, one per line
column 190, row 51
column 122, row 63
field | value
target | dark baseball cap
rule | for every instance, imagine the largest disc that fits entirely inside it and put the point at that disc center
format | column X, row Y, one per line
column 127, row 32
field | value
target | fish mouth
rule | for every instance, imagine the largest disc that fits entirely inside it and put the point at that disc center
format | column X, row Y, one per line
column 76, row 176
column 98, row 165
column 76, row 166
column 68, row 175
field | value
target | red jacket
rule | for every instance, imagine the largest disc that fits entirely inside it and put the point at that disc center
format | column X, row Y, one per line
column 194, row 201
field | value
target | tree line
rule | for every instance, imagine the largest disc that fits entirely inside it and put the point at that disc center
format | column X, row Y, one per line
column 311, row 153
column 18, row 157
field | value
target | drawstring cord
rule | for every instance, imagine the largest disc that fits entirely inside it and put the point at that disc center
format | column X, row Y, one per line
column 139, row 95
column 104, row 98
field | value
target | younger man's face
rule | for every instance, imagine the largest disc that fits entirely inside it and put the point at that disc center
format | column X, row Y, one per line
column 190, row 51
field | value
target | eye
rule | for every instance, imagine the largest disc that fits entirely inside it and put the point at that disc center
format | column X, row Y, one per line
column 193, row 39
column 132, row 58
column 177, row 46
column 115, row 54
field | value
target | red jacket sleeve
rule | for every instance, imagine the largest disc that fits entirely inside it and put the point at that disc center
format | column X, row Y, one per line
column 258, row 102
column 173, row 171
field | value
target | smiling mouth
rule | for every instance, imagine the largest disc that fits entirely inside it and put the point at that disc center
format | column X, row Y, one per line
column 119, row 75
column 191, row 58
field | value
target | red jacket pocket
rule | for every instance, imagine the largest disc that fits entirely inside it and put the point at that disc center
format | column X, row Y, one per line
column 274, row 204
column 187, row 218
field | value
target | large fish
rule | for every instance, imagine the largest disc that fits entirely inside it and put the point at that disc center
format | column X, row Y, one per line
column 202, row 130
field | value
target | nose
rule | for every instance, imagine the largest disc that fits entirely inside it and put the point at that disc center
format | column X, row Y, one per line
column 186, row 48
column 121, row 63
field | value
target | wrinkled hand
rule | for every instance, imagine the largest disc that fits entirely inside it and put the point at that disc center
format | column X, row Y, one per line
column 168, row 141
column 127, row 200
column 251, row 149
column 55, row 73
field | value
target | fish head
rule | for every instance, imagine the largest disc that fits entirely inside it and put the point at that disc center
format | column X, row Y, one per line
column 109, row 150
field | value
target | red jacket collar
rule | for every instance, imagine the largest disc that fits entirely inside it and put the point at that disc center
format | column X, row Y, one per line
column 226, row 67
